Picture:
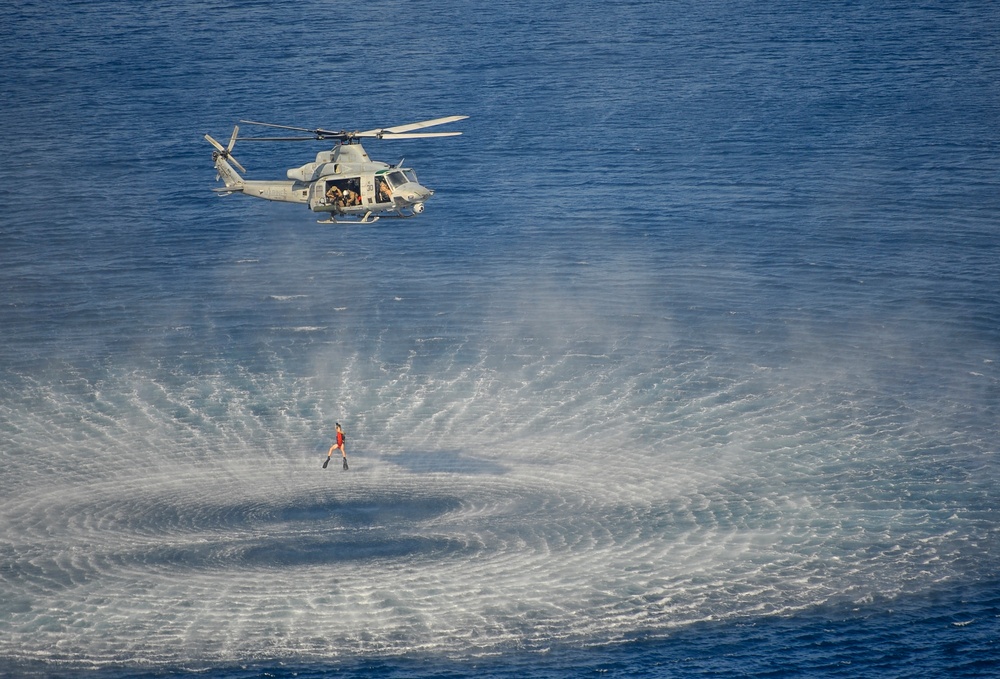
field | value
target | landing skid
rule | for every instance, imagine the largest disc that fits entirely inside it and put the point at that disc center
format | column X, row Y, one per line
column 368, row 218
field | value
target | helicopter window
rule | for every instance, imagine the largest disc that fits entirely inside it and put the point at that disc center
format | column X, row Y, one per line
column 397, row 178
column 411, row 175
column 383, row 192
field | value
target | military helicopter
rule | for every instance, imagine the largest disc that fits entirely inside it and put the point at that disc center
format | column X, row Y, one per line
column 344, row 182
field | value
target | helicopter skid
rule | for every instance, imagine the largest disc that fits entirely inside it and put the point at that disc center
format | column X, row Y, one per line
column 367, row 218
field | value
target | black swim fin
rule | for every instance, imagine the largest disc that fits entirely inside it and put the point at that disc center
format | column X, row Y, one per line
column 345, row 463
column 326, row 463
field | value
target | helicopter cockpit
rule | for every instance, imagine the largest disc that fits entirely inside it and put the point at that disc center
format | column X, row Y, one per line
column 401, row 182
column 399, row 177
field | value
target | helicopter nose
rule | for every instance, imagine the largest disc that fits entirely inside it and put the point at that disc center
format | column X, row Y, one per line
column 415, row 193
column 418, row 192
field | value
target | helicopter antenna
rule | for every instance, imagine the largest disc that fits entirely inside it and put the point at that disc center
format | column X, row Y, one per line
column 396, row 132
column 227, row 151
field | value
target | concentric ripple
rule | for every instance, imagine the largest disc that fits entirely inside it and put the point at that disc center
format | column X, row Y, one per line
column 701, row 325
column 181, row 519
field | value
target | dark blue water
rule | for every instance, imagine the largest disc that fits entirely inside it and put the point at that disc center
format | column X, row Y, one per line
column 691, row 367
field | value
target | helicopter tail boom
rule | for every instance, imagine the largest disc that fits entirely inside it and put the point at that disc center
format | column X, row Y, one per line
column 233, row 181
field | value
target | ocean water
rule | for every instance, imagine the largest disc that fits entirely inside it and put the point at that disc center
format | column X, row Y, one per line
column 691, row 367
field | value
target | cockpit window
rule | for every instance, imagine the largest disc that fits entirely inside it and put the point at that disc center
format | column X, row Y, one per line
column 399, row 177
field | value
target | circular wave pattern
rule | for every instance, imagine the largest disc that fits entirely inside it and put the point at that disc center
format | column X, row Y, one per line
column 704, row 328
column 183, row 517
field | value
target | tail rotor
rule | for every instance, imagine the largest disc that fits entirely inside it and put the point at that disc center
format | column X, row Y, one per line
column 226, row 151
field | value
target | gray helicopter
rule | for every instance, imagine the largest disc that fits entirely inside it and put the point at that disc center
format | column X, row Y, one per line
column 344, row 182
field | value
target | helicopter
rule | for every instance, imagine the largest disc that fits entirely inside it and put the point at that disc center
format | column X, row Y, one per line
column 344, row 182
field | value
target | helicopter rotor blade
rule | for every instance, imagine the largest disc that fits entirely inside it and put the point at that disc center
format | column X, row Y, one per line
column 219, row 147
column 281, row 127
column 395, row 132
column 403, row 131
column 277, row 138
column 320, row 133
column 410, row 135
column 421, row 125
column 238, row 164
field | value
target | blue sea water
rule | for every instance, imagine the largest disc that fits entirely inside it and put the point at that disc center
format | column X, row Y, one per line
column 691, row 367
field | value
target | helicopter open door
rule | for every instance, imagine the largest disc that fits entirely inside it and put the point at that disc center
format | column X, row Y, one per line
column 336, row 195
